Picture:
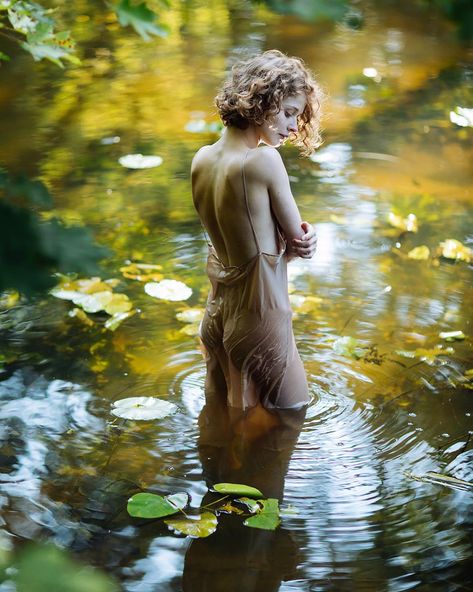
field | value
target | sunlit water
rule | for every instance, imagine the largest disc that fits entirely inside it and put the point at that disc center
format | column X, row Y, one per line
column 359, row 521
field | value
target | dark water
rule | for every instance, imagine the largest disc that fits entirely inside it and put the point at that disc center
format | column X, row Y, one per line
column 360, row 520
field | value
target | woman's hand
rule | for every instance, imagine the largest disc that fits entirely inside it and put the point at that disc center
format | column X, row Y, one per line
column 306, row 246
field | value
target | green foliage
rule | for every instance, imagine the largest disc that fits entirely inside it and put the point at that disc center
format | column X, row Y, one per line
column 311, row 10
column 140, row 17
column 32, row 26
column 49, row 569
column 32, row 249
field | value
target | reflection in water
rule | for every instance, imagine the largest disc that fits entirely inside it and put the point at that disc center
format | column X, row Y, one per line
column 253, row 448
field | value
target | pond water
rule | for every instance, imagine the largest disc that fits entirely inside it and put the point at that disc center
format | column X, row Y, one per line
column 379, row 416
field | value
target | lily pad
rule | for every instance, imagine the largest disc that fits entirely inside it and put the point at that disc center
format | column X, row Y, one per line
column 251, row 505
column 237, row 489
column 452, row 335
column 454, row 249
column 138, row 161
column 190, row 315
column 408, row 224
column 462, row 116
column 420, row 253
column 348, row 346
column 199, row 526
column 143, row 408
column 119, row 303
column 93, row 302
column 168, row 290
column 150, row 505
column 267, row 518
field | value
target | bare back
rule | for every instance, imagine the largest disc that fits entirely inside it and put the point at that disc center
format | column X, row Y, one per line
column 219, row 197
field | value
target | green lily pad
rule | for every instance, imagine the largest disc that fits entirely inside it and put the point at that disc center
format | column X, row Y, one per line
column 237, row 489
column 267, row 518
column 199, row 526
column 150, row 505
column 251, row 505
column 143, row 408
column 452, row 335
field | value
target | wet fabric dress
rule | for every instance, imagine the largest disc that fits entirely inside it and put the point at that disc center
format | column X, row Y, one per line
column 246, row 331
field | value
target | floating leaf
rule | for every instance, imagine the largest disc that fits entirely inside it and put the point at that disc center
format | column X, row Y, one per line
column 419, row 253
column 168, row 290
column 117, row 319
column 138, row 161
column 251, row 504
column 143, row 272
column 237, row 489
column 452, row 335
column 191, row 329
column 426, row 355
column 143, row 408
column 454, row 249
column 199, row 526
column 93, row 302
column 150, row 505
column 190, row 315
column 268, row 517
column 119, row 303
column 445, row 480
column 408, row 224
column 348, row 346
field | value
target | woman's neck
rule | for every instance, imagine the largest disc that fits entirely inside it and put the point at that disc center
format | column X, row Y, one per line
column 241, row 138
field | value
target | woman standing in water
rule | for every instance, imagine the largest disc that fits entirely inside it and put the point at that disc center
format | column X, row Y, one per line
column 242, row 194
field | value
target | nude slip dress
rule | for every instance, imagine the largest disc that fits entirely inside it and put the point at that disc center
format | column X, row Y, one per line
column 249, row 346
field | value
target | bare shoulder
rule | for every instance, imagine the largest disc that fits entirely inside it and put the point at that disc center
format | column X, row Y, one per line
column 264, row 162
column 200, row 158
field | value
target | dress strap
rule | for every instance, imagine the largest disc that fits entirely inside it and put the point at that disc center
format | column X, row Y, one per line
column 246, row 203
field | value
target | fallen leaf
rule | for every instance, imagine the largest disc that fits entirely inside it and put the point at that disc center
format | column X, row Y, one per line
column 454, row 249
column 117, row 319
column 408, row 224
column 142, row 272
column 190, row 315
column 199, row 526
column 419, row 253
column 452, row 335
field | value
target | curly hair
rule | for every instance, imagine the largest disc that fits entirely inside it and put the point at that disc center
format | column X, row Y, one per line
column 256, row 88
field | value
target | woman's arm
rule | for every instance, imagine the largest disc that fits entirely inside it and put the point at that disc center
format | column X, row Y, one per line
column 300, row 236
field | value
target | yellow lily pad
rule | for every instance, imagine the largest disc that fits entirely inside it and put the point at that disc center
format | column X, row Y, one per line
column 452, row 335
column 427, row 355
column 168, row 290
column 199, row 526
column 118, row 303
column 454, row 249
column 419, row 253
column 93, row 302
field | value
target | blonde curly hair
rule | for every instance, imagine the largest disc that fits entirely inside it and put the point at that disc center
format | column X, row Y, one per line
column 256, row 88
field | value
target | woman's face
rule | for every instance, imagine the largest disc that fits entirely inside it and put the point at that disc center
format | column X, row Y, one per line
column 277, row 128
